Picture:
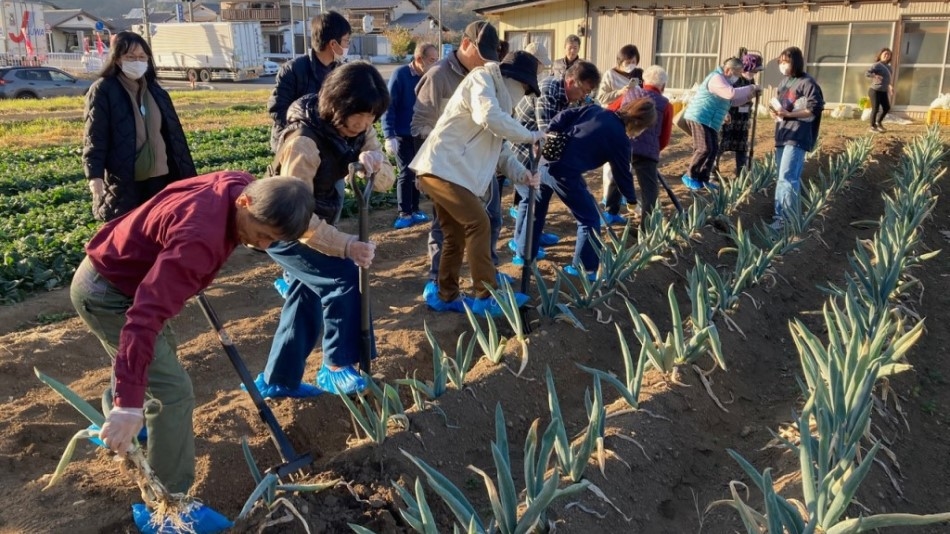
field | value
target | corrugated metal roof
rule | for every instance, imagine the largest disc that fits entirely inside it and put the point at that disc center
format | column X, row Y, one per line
column 410, row 19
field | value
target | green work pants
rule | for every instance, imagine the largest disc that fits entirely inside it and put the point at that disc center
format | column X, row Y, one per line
column 171, row 439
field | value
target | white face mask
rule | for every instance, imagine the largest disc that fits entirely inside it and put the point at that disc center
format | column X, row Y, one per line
column 784, row 68
column 134, row 69
column 629, row 68
column 342, row 55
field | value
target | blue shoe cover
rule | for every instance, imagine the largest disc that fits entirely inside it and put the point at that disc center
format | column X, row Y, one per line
column 439, row 305
column 499, row 276
column 691, row 184
column 277, row 391
column 420, row 217
column 513, row 246
column 282, row 287
column 431, row 289
column 142, row 437
column 614, row 219
column 513, row 212
column 346, row 380
column 548, row 239
column 202, row 520
column 404, row 221
column 574, row 271
column 490, row 306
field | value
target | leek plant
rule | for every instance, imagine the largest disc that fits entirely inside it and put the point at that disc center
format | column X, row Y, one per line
column 667, row 353
column 267, row 487
column 442, row 369
column 374, row 416
column 591, row 293
column 540, row 492
column 573, row 457
column 505, row 296
column 762, row 173
column 550, row 306
column 629, row 388
column 490, row 342
column 752, row 263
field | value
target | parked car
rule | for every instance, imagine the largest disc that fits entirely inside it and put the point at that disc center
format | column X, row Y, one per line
column 39, row 82
column 270, row 68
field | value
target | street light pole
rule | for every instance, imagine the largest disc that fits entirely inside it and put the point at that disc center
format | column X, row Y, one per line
column 293, row 31
column 440, row 28
column 147, row 30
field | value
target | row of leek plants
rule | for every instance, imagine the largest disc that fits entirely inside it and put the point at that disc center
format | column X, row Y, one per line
column 868, row 337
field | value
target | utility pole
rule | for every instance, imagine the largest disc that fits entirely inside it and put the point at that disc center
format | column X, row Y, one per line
column 191, row 12
column 148, row 31
column 293, row 31
column 440, row 27
column 306, row 20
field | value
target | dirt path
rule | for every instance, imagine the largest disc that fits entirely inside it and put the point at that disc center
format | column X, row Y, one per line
column 681, row 467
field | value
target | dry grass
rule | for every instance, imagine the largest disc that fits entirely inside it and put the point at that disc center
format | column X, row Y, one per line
column 198, row 112
column 21, row 109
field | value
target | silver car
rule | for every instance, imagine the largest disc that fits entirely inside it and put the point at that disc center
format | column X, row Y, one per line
column 39, row 82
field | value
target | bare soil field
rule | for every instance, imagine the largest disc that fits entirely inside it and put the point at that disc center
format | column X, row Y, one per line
column 683, row 464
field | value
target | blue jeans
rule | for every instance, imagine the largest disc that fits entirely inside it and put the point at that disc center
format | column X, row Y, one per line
column 573, row 192
column 323, row 297
column 790, row 160
column 541, row 204
column 494, row 218
column 407, row 196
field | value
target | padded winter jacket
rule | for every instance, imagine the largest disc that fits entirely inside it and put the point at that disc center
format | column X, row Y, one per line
column 298, row 77
column 109, row 145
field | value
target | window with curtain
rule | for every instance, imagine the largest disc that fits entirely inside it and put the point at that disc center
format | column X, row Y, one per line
column 839, row 55
column 924, row 70
column 688, row 49
column 518, row 40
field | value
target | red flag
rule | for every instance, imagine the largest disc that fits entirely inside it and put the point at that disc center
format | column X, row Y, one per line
column 85, row 45
column 26, row 39
column 100, row 48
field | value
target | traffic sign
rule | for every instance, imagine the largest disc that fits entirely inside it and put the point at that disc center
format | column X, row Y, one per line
column 100, row 26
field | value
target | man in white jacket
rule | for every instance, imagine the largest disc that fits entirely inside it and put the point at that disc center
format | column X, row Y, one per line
column 456, row 166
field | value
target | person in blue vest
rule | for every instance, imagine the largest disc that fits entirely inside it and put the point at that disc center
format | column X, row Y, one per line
column 396, row 130
column 325, row 133
column 705, row 114
column 594, row 137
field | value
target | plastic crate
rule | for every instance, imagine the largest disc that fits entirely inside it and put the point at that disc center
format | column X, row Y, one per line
column 938, row 116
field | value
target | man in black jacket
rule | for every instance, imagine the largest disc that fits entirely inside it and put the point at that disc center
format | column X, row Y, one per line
column 330, row 39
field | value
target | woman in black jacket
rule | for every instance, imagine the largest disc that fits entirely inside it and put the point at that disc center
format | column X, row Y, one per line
column 134, row 144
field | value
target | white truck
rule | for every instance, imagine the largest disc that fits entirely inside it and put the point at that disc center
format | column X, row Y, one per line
column 23, row 30
column 206, row 51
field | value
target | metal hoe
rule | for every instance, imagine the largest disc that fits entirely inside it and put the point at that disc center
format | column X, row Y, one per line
column 292, row 462
column 362, row 199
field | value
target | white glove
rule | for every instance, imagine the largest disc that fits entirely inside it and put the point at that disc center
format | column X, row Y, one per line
column 122, row 424
column 97, row 187
column 391, row 145
column 371, row 161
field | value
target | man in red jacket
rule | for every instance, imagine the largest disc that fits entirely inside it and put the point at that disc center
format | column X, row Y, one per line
column 140, row 270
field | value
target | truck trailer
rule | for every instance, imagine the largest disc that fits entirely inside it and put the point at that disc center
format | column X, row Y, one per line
column 206, row 51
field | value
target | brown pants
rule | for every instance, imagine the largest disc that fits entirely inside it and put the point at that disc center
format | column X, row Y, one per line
column 465, row 225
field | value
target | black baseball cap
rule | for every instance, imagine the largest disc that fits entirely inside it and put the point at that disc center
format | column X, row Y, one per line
column 485, row 37
column 522, row 66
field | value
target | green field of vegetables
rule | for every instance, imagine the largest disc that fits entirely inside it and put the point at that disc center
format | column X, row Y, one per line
column 46, row 208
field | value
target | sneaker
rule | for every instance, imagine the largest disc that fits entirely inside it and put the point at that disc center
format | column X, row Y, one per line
column 404, row 221
column 513, row 212
column 282, row 287
column 142, row 437
column 874, row 129
column 548, row 239
column 277, row 391
column 692, row 185
column 880, row 128
column 197, row 516
column 420, row 217
column 430, row 290
column 437, row 304
column 490, row 306
column 513, row 246
column 574, row 271
column 345, row 380
column 614, row 218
